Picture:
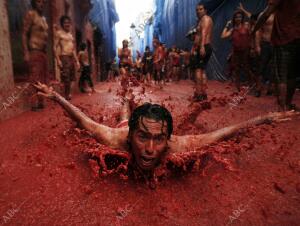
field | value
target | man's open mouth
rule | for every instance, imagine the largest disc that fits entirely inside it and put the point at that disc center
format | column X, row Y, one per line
column 147, row 160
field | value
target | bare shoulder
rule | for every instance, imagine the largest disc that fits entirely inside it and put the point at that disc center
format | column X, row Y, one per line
column 58, row 33
column 160, row 49
column 30, row 15
column 206, row 19
column 185, row 143
column 119, row 138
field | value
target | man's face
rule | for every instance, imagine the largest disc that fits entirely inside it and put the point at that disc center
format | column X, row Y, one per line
column 200, row 10
column 270, row 2
column 155, row 43
column 39, row 5
column 125, row 44
column 149, row 142
column 67, row 25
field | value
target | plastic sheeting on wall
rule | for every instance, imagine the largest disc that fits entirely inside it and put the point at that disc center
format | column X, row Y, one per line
column 104, row 15
column 174, row 18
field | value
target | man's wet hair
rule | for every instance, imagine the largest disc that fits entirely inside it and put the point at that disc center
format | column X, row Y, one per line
column 63, row 19
column 152, row 111
column 82, row 46
column 203, row 4
column 33, row 4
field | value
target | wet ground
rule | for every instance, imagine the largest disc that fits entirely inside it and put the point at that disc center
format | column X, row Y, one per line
column 46, row 178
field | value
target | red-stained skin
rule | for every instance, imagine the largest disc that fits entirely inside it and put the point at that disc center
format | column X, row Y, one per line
column 149, row 142
column 40, row 5
column 67, row 25
column 200, row 11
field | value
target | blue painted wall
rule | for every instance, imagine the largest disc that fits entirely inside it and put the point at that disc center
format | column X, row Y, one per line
column 104, row 16
column 174, row 18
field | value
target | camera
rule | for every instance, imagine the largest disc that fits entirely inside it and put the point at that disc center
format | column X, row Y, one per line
column 191, row 33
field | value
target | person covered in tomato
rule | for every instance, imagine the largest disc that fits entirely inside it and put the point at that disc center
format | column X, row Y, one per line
column 146, row 132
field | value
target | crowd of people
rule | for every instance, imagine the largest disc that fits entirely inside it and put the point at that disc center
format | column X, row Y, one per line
column 169, row 64
column 265, row 47
column 252, row 54
column 174, row 65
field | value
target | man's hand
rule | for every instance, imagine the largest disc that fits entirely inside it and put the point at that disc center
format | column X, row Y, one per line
column 228, row 24
column 59, row 63
column 44, row 90
column 258, row 50
column 241, row 7
column 202, row 51
column 77, row 66
column 282, row 116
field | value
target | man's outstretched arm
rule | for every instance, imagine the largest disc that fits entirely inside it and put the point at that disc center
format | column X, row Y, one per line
column 191, row 142
column 112, row 137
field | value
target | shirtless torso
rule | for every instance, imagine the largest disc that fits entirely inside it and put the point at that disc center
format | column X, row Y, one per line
column 266, row 30
column 204, row 31
column 35, row 33
column 65, row 43
column 264, row 34
column 124, row 56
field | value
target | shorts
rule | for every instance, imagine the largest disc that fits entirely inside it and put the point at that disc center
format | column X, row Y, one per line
column 147, row 68
column 86, row 71
column 157, row 73
column 67, row 73
column 127, row 66
column 199, row 62
column 286, row 61
column 265, row 60
column 254, row 63
column 38, row 67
